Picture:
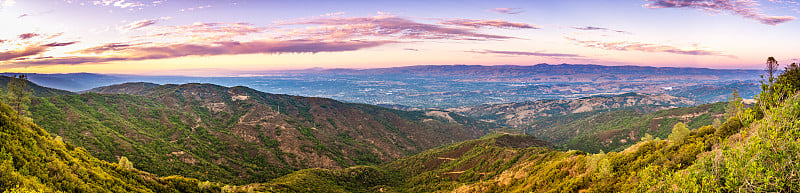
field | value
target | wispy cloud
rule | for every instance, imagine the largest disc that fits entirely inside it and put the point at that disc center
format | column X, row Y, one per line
column 26, row 36
column 25, row 51
column 195, row 8
column 479, row 23
column 122, row 4
column 383, row 26
column 34, row 14
column 7, row 3
column 646, row 47
column 521, row 53
column 203, row 32
column 23, row 48
column 124, row 52
column 507, row 10
column 411, row 49
column 744, row 8
column 118, row 3
column 138, row 24
column 26, row 44
column 593, row 28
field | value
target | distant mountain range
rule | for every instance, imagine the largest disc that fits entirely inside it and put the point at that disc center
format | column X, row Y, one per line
column 597, row 72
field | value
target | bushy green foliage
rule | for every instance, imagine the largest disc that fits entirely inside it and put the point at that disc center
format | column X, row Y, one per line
column 125, row 163
column 730, row 127
column 679, row 133
column 617, row 130
column 31, row 160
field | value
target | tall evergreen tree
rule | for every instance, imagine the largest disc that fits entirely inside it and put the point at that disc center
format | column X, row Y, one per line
column 734, row 105
column 772, row 67
column 19, row 94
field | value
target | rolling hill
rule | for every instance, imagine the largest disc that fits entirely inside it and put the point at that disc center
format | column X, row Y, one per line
column 240, row 135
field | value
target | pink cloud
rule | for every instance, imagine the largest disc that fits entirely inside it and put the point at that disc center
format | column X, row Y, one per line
column 745, row 8
column 383, row 26
column 478, row 23
column 205, row 32
column 646, row 47
column 26, row 51
column 29, row 44
column 26, row 36
column 138, row 24
column 126, row 52
column 507, row 10
column 592, row 28
column 30, row 50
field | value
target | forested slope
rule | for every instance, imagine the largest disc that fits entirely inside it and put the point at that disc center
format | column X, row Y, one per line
column 240, row 135
column 33, row 161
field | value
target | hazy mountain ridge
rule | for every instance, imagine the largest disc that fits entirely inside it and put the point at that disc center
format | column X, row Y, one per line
column 134, row 88
column 39, row 91
column 539, row 69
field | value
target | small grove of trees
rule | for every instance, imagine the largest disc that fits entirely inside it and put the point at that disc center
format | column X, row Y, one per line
column 18, row 94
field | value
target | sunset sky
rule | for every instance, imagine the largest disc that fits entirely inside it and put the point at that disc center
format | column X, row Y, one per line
column 230, row 37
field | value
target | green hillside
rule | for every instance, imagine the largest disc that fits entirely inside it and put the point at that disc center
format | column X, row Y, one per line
column 615, row 130
column 33, row 161
column 239, row 135
column 728, row 158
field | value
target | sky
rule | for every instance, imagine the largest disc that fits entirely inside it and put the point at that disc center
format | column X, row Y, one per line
column 236, row 37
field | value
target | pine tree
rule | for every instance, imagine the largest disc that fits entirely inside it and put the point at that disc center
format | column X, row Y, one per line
column 772, row 67
column 19, row 94
column 734, row 105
